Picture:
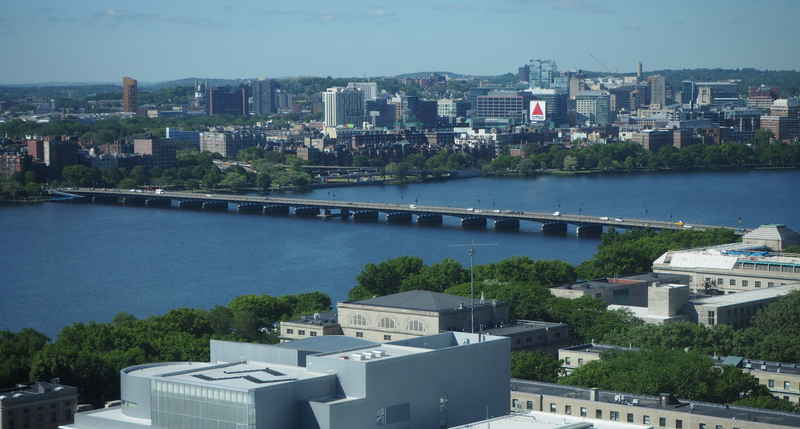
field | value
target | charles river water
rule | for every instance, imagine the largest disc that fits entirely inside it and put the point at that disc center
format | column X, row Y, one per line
column 67, row 263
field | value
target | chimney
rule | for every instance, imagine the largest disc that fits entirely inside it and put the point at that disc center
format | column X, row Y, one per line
column 639, row 71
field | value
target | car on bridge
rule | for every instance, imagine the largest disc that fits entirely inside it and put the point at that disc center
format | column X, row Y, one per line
column 679, row 223
column 619, row 220
column 604, row 218
column 556, row 213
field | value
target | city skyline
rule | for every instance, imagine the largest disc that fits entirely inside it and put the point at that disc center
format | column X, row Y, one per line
column 99, row 41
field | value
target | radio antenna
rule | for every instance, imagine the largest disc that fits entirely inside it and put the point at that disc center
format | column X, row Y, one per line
column 471, row 252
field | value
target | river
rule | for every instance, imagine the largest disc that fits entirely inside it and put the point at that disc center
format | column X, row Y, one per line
column 64, row 263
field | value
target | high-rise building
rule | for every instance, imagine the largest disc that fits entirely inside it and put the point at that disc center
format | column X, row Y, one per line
column 658, row 92
column 344, row 106
column 542, row 73
column 784, row 119
column 503, row 104
column 162, row 151
column 130, row 95
column 524, row 73
column 59, row 154
column 222, row 102
column 556, row 106
column 264, row 96
column 370, row 89
column 593, row 107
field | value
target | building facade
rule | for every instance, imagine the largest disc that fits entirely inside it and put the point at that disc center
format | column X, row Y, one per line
column 38, row 405
column 162, row 151
column 223, row 102
column 264, row 96
column 344, row 106
column 130, row 95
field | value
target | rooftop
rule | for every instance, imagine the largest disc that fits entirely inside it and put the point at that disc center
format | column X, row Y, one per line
column 519, row 326
column 747, row 296
column 645, row 401
column 421, row 300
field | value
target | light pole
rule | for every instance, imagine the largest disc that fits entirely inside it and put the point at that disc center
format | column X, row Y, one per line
column 580, row 210
column 645, row 211
column 740, row 217
column 479, row 199
column 416, row 200
column 494, row 201
column 670, row 215
column 471, row 252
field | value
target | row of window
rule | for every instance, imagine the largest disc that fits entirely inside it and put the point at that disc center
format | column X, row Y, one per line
column 388, row 323
column 614, row 415
column 290, row 331
column 568, row 361
column 745, row 283
column 786, row 385
column 26, row 422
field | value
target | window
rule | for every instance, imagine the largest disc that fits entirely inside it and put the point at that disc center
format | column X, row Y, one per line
column 301, row 332
column 568, row 410
column 702, row 426
column 11, row 424
column 415, row 325
column 786, row 398
column 538, row 337
column 678, row 424
column 443, row 423
column 646, row 420
column 443, row 403
column 758, row 283
column 662, row 422
column 68, row 414
column 529, row 405
column 580, row 361
column 358, row 320
column 630, row 417
column 360, row 334
column 719, row 426
column 583, row 411
column 614, row 415
column 770, row 284
column 387, row 338
column 598, row 414
column 558, row 334
column 290, row 331
column 598, row 295
column 733, row 282
column 744, row 283
column 313, row 333
column 567, row 360
column 39, row 419
column 517, row 341
column 735, row 311
column 380, row 419
column 53, row 417
column 720, row 281
column 772, row 383
column 386, row 323
column 528, row 340
column 710, row 317
column 786, row 385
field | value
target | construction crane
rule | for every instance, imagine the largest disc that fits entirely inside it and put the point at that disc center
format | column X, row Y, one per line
column 614, row 73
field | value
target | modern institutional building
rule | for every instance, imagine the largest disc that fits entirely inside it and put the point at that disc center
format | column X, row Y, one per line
column 223, row 102
column 663, row 411
column 593, row 107
column 437, row 381
column 160, row 151
column 344, row 106
column 229, row 143
column 542, row 73
column 370, row 89
column 417, row 313
column 754, row 263
column 265, row 100
column 130, row 95
column 658, row 92
column 37, row 405
column 626, row 290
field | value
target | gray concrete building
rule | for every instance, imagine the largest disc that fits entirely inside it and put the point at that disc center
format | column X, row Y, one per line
column 626, row 290
column 37, row 404
column 438, row 381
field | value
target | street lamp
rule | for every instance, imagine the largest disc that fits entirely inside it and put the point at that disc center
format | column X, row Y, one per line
column 559, row 204
column 494, row 201
column 740, row 217
column 645, row 211
column 479, row 199
column 580, row 210
column 416, row 200
column 670, row 215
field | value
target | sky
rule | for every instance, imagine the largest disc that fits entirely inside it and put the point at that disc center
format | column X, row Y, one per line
column 155, row 41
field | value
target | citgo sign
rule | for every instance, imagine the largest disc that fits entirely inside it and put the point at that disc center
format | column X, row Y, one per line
column 538, row 111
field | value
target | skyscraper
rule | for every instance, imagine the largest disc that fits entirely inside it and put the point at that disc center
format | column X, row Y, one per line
column 130, row 95
column 264, row 96
column 542, row 73
column 658, row 92
column 593, row 107
column 370, row 89
column 222, row 102
column 343, row 106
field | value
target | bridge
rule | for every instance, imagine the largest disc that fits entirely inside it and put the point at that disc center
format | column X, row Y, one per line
column 469, row 217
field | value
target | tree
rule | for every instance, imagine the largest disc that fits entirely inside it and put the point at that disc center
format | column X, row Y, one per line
column 234, row 181
column 122, row 318
column 191, row 184
column 127, row 184
column 139, row 174
column 570, row 163
column 537, row 366
column 386, row 277
column 263, row 181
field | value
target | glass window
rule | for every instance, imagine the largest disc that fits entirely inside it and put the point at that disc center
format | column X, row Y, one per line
column 443, row 403
column 598, row 414
column 646, row 420
column 358, row 320
column 387, row 323
column 583, row 411
column 290, row 331
column 744, row 283
column 770, row 284
column 720, row 281
column 733, row 282
column 517, row 341
column 786, row 385
column 568, row 410
column 529, row 405
column 39, row 419
column 567, row 360
column 678, row 424
column 387, row 337
column 758, row 283
column 772, row 383
column 528, row 340
column 359, row 334
column 710, row 317
column 662, row 422
column 580, row 361
column 380, row 419
column 53, row 416
column 415, row 325
column 11, row 424
column 630, row 417
column 614, row 415
column 552, row 408
column 702, row 426
column 719, row 426
column 313, row 333
column 25, row 422
column 301, row 332
column 558, row 334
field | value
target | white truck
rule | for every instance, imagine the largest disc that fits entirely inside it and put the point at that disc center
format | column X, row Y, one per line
column 159, row 192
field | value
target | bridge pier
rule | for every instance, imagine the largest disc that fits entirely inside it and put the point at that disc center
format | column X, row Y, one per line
column 249, row 208
column 506, row 224
column 473, row 221
column 133, row 201
column 344, row 213
column 590, row 229
column 306, row 211
column 554, row 227
column 429, row 218
column 97, row 199
column 215, row 205
column 190, row 204
column 153, row 202
column 276, row 209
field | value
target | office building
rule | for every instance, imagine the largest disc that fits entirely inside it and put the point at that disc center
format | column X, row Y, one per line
column 265, row 97
column 658, row 92
column 370, row 89
column 229, row 143
column 653, row 140
column 651, row 411
column 344, row 106
column 130, row 95
column 754, row 263
column 501, row 104
column 625, row 290
column 11, row 163
column 448, row 110
column 556, row 105
column 542, row 73
column 437, row 381
column 762, row 97
column 183, row 136
column 161, row 152
column 59, row 154
column 38, row 405
column 784, row 119
column 593, row 108
column 524, row 73
column 224, row 102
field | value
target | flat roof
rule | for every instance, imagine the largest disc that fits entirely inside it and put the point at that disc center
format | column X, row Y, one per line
column 743, row 414
column 520, row 326
column 747, row 296
column 422, row 300
column 540, row 420
column 235, row 376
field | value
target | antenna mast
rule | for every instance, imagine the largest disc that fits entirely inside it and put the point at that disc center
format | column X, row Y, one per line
column 471, row 252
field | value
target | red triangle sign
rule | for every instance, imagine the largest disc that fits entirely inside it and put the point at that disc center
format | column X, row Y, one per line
column 537, row 110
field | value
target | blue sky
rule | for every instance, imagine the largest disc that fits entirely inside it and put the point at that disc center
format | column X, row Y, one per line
column 152, row 41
